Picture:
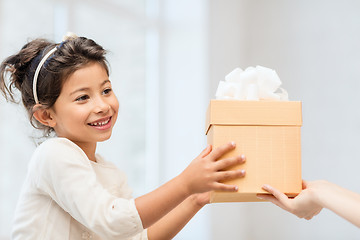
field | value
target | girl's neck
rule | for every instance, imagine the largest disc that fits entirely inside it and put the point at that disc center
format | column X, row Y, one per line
column 89, row 149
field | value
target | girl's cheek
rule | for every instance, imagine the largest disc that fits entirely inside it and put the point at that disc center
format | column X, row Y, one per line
column 82, row 111
column 115, row 104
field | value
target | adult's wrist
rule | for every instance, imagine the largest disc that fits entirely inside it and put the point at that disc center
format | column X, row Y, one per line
column 321, row 192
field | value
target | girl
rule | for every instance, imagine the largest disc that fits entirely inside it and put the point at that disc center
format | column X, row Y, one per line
column 72, row 193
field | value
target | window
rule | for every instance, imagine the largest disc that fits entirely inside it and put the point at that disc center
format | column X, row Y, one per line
column 122, row 28
column 158, row 57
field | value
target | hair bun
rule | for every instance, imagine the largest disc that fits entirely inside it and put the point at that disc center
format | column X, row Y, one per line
column 69, row 36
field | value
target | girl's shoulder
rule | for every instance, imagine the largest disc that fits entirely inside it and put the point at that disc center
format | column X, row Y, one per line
column 59, row 145
column 58, row 150
column 54, row 157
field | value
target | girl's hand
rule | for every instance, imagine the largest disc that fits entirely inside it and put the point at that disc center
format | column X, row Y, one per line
column 201, row 199
column 207, row 171
column 305, row 205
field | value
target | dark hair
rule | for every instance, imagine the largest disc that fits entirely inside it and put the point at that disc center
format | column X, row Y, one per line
column 17, row 71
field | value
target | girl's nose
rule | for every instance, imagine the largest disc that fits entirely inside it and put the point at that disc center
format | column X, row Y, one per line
column 101, row 107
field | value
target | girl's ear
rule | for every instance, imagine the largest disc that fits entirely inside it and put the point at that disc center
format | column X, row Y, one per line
column 44, row 116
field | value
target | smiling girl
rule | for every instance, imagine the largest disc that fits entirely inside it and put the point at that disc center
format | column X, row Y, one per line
column 70, row 192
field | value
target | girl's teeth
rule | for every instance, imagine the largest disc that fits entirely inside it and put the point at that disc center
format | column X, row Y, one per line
column 100, row 123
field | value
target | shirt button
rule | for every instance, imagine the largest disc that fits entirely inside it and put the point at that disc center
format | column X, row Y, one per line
column 86, row 235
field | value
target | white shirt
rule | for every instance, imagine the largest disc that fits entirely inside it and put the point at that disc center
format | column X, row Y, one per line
column 67, row 196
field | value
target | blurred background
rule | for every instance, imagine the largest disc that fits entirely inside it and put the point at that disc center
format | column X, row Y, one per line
column 167, row 58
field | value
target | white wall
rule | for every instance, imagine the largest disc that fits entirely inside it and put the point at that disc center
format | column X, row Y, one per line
column 148, row 41
column 183, row 91
column 314, row 47
column 21, row 21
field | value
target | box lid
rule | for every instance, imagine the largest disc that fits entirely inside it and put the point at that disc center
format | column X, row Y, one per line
column 253, row 113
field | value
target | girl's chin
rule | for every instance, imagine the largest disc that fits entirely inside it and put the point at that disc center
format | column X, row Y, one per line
column 89, row 139
column 104, row 138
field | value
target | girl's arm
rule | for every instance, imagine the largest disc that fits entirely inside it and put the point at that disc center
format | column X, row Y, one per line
column 317, row 195
column 168, row 226
column 204, row 174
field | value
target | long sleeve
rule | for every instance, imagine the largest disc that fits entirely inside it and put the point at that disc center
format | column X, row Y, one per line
column 64, row 173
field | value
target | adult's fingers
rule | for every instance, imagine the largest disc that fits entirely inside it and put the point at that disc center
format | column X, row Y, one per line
column 317, row 212
column 281, row 197
column 271, row 198
column 304, row 184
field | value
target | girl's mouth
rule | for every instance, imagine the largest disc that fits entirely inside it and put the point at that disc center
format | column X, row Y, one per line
column 101, row 124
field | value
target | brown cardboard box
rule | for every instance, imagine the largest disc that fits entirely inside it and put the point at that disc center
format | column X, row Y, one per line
column 268, row 133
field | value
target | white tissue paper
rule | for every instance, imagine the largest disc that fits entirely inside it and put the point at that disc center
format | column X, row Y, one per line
column 254, row 83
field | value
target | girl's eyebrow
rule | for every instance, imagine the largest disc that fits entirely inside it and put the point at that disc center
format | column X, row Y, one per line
column 84, row 89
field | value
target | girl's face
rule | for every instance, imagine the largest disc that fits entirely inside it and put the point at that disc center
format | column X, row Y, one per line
column 87, row 108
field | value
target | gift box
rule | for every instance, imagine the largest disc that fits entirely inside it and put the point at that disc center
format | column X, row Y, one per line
column 268, row 133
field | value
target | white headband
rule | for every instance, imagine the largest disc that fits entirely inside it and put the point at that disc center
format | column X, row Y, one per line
column 38, row 71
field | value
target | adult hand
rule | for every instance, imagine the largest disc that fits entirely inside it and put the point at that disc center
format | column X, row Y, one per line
column 305, row 205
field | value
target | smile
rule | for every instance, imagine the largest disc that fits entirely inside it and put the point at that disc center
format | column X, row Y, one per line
column 101, row 124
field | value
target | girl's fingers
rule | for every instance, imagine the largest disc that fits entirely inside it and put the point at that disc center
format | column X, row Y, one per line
column 206, row 151
column 225, row 187
column 219, row 151
column 228, row 175
column 228, row 162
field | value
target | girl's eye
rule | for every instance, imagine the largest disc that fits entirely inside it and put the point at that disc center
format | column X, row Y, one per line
column 82, row 98
column 107, row 91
